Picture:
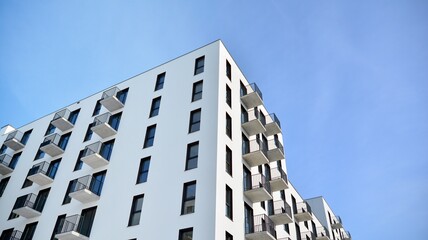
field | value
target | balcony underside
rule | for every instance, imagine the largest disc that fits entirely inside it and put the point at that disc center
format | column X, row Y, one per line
column 5, row 169
column 252, row 100
column 272, row 129
column 322, row 238
column 337, row 225
column 84, row 196
column 14, row 144
column 278, row 184
column 95, row 160
column 62, row 124
column 258, row 194
column 275, row 154
column 253, row 127
column 303, row 216
column 52, row 150
column 264, row 235
column 104, row 130
column 40, row 179
column 255, row 158
column 27, row 212
column 281, row 218
column 72, row 235
column 112, row 103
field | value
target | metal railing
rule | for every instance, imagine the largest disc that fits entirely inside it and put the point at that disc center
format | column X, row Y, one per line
column 257, row 181
column 253, row 114
column 16, row 235
column 347, row 234
column 28, row 200
column 103, row 118
column 272, row 118
column 253, row 146
column 14, row 135
column 303, row 207
column 278, row 173
column 53, row 138
column 88, row 182
column 72, row 223
column 260, row 223
column 273, row 144
column 280, row 207
column 65, row 113
column 110, row 93
column 337, row 220
column 253, row 88
column 6, row 160
column 43, row 168
column 92, row 149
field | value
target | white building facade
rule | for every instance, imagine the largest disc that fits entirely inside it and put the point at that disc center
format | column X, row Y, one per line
column 186, row 150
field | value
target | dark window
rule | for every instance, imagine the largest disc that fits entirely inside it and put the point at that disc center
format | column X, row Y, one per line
column 197, row 90
column 29, row 231
column 242, row 90
column 114, row 120
column 150, row 136
column 14, row 160
column 39, row 154
column 58, row 224
column 73, row 116
column 229, row 236
column 229, row 203
column 228, row 96
column 192, row 155
column 27, row 182
column 199, row 65
column 3, row 149
column 12, row 215
column 313, row 227
column 63, row 141
column 50, row 130
column 154, row 110
column 228, row 160
column 53, row 168
column 107, row 149
column 245, row 145
column 228, row 126
column 195, row 120
column 287, row 228
column 7, row 234
column 159, row 81
column 282, row 192
column 89, row 132
column 185, row 234
column 121, row 95
column 263, row 205
column 71, row 186
column 97, row 182
column 3, row 184
column 26, row 136
column 40, row 202
column 298, row 236
column 294, row 204
column 97, row 108
column 249, row 219
column 87, row 220
column 306, row 224
column 143, row 171
column 228, row 70
column 79, row 162
column 188, row 202
column 136, row 208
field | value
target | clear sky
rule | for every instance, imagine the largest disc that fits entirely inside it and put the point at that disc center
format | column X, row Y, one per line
column 348, row 80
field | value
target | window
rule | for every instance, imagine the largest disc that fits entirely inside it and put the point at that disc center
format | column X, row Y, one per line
column 242, row 90
column 159, row 81
column 185, row 234
column 228, row 236
column 114, row 120
column 287, row 228
column 197, row 90
column 71, row 186
column 53, row 168
column 121, row 95
column 154, row 110
column 26, row 136
column 50, row 130
column 143, row 171
column 228, row 126
column 298, row 236
column 306, row 224
column 199, row 65
column 150, row 136
column 263, row 205
column 87, row 220
column 188, row 202
column 7, row 234
column 137, row 205
column 73, row 116
column 58, row 225
column 107, row 149
column 228, row 160
column 97, row 108
column 192, row 155
column 3, row 184
column 97, row 182
column 29, row 231
column 42, row 196
column 229, row 203
column 228, row 96
column 63, row 141
column 27, row 182
column 228, row 70
column 40, row 154
column 79, row 162
column 195, row 120
column 14, row 160
column 88, row 134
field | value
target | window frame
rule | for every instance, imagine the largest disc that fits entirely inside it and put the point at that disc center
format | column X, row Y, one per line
column 143, row 173
column 198, row 67
column 160, row 80
column 155, row 107
column 228, row 126
column 136, row 210
column 192, row 158
column 185, row 199
column 195, row 120
column 229, row 162
column 197, row 94
column 229, row 202
column 149, row 138
column 183, row 231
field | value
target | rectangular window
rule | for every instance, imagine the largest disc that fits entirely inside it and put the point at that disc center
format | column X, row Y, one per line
column 185, row 234
column 85, row 224
column 228, row 236
column 3, row 149
column 40, row 154
column 122, row 94
column 97, row 108
column 136, row 208
column 73, row 116
column 3, row 184
column 26, row 136
column 14, row 160
column 79, row 163
column 7, row 234
column 71, row 186
column 228, row 96
column 27, row 182
column 197, row 90
column 41, row 199
column 228, row 126
column 192, row 155
column 242, row 90
column 114, row 120
column 89, row 132
column 107, row 149
column 150, row 136
column 159, row 81
column 29, row 231
column 199, row 65
column 229, row 203
column 189, row 194
column 143, row 170
column 50, row 130
column 58, row 225
column 154, row 110
column 63, row 141
column 195, row 120
column 228, row 160
column 287, row 228
column 228, row 70
column 298, row 236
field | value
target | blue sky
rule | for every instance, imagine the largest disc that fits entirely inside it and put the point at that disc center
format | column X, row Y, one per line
column 348, row 80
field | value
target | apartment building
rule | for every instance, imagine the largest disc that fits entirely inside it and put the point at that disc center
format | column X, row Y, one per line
column 186, row 150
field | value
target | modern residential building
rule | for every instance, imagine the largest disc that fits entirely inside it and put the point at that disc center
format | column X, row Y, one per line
column 186, row 150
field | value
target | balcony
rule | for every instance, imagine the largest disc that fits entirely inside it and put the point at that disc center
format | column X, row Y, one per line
column 347, row 236
column 72, row 228
column 14, row 235
column 258, row 189
column 87, row 189
column 276, row 150
column 278, row 180
column 51, row 146
column 14, row 140
column 337, row 223
column 26, row 206
column 42, row 173
column 322, row 234
column 252, row 97
column 110, row 101
column 255, row 153
column 94, row 156
column 281, row 213
column 102, row 126
column 273, row 125
column 304, row 212
column 260, row 227
column 253, row 122
column 6, row 164
column 61, row 120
